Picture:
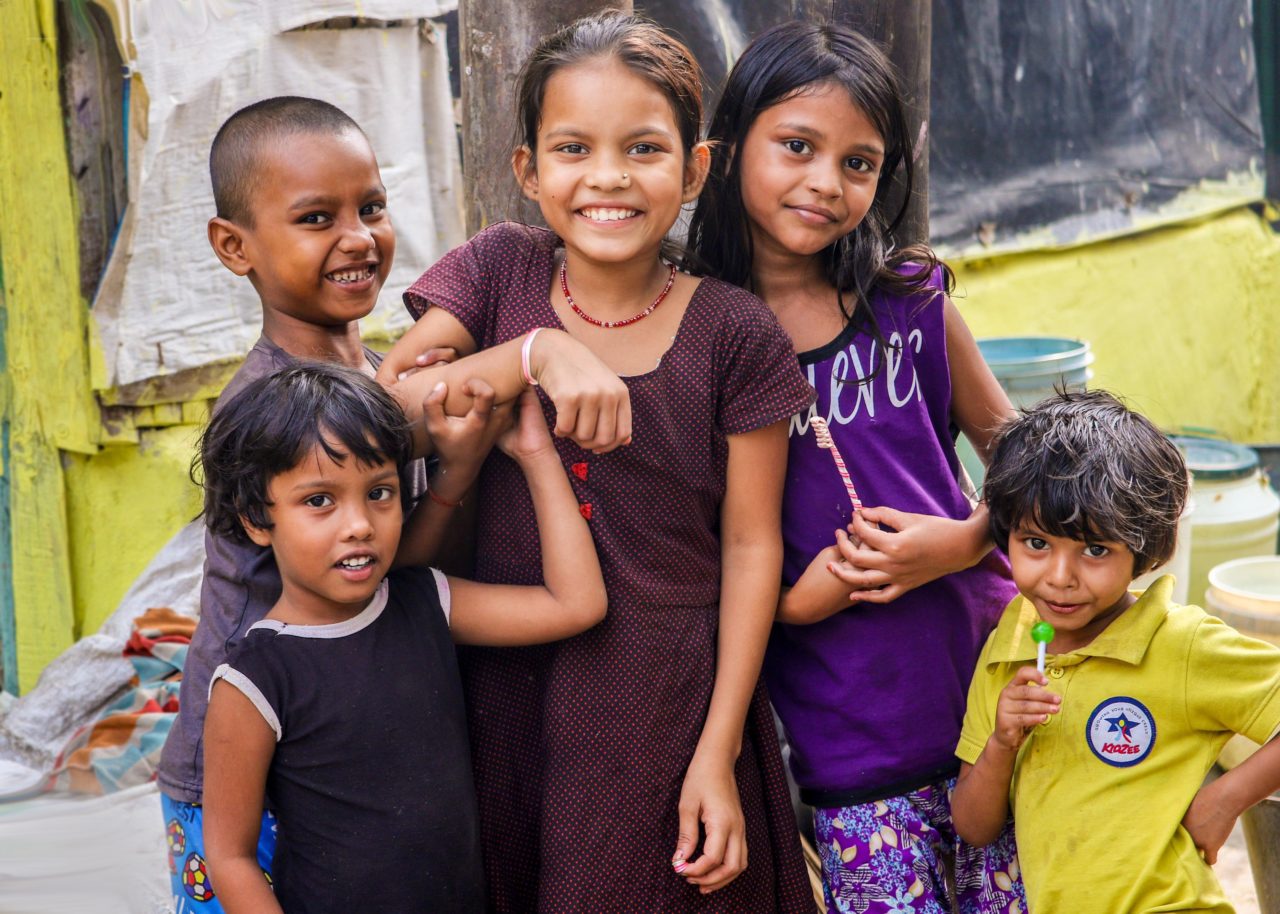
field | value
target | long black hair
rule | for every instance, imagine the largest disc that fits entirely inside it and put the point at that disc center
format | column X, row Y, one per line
column 783, row 62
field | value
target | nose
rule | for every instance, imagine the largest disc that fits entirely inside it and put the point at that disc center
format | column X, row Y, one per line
column 607, row 173
column 824, row 178
column 357, row 524
column 1061, row 572
column 357, row 237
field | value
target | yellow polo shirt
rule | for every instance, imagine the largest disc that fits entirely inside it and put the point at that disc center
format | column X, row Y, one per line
column 1099, row 792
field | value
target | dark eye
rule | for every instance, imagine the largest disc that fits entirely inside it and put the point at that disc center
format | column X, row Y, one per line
column 799, row 147
column 642, row 149
column 856, row 163
column 1095, row 551
column 374, row 208
column 382, row 493
column 1036, row 544
column 315, row 219
column 573, row 149
column 318, row 501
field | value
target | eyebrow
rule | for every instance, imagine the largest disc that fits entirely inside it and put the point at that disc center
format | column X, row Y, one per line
column 815, row 133
column 376, row 190
column 635, row 133
column 392, row 472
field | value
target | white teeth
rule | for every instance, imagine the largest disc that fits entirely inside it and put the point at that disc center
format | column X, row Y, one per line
column 352, row 275
column 601, row 214
column 357, row 562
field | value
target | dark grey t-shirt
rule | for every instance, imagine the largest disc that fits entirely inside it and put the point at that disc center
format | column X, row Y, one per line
column 240, row 586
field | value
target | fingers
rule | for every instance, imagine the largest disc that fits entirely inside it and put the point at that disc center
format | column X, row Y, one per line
column 688, row 837
column 878, row 595
column 599, row 424
column 714, row 846
column 735, row 861
column 482, row 404
column 441, row 354
column 863, row 526
column 433, row 408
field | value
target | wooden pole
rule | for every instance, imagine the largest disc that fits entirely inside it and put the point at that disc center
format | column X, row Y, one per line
column 495, row 38
column 904, row 28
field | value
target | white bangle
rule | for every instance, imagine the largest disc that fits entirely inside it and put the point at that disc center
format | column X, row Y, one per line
column 525, row 352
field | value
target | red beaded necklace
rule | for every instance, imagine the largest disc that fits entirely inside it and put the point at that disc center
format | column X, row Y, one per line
column 564, row 287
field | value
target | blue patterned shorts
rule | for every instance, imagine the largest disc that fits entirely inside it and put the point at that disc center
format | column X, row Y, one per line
column 193, row 893
column 892, row 856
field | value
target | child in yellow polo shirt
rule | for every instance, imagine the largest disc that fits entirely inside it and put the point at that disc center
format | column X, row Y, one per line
column 1103, row 759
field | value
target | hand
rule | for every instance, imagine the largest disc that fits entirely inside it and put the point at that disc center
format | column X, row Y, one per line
column 528, row 437
column 1024, row 704
column 882, row 565
column 709, row 798
column 396, row 366
column 462, row 442
column 593, row 405
column 1208, row 820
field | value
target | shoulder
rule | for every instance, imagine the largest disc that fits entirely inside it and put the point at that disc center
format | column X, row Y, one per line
column 504, row 239
column 925, row 301
column 263, row 359
column 734, row 311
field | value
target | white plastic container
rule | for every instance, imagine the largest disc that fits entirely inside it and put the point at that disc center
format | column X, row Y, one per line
column 1179, row 565
column 1237, row 512
column 1245, row 594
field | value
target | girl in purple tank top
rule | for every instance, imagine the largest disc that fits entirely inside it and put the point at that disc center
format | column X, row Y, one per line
column 884, row 609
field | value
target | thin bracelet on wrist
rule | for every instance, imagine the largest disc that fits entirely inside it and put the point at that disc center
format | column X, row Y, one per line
column 525, row 353
column 442, row 501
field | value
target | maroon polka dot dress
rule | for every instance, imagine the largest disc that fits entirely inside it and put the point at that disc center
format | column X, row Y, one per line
column 580, row 747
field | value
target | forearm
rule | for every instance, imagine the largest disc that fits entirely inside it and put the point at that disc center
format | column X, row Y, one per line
column 817, row 595
column 752, row 569
column 241, row 886
column 1252, row 781
column 980, row 801
column 424, row 532
column 570, row 566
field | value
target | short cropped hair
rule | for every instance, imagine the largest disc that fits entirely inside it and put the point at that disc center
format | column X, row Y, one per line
column 276, row 421
column 1083, row 465
column 234, row 156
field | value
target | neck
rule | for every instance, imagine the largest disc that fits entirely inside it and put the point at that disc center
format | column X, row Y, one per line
column 613, row 291
column 339, row 343
column 782, row 278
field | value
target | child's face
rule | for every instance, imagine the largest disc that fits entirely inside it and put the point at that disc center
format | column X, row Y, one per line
column 1079, row 588
column 336, row 529
column 600, row 121
column 322, row 243
column 808, row 170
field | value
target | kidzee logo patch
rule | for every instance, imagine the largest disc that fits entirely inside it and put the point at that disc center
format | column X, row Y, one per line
column 1121, row 731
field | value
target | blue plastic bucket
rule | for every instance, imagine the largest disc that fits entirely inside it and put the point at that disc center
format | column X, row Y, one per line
column 1030, row 367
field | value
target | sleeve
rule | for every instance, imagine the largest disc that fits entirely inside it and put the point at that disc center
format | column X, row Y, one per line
column 979, row 713
column 257, row 677
column 762, row 382
column 1232, row 682
column 419, row 588
column 461, row 282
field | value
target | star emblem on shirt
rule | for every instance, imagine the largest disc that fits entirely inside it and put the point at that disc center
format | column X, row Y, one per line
column 1122, row 725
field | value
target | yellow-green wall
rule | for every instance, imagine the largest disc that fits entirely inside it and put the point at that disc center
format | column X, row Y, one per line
column 1184, row 321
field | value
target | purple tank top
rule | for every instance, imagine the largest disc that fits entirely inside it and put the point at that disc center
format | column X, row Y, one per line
column 872, row 698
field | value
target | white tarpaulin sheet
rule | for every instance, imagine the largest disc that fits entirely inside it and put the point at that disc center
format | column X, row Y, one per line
column 166, row 304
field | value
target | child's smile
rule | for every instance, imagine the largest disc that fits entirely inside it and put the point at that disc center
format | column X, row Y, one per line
column 1077, row 587
column 336, row 529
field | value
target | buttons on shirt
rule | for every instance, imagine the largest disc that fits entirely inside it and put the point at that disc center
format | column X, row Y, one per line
column 1056, row 672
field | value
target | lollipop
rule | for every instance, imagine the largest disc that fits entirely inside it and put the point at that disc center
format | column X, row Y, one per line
column 823, row 436
column 1041, row 634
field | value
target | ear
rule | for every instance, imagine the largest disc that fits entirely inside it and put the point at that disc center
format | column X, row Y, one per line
column 227, row 240
column 259, row 536
column 695, row 172
column 526, row 173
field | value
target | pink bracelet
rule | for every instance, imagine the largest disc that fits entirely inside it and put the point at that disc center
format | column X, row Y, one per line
column 524, row 358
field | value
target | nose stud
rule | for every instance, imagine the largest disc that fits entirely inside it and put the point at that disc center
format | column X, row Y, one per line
column 626, row 180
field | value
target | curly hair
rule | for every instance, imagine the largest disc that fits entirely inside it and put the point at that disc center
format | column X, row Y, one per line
column 270, row 426
column 1083, row 465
